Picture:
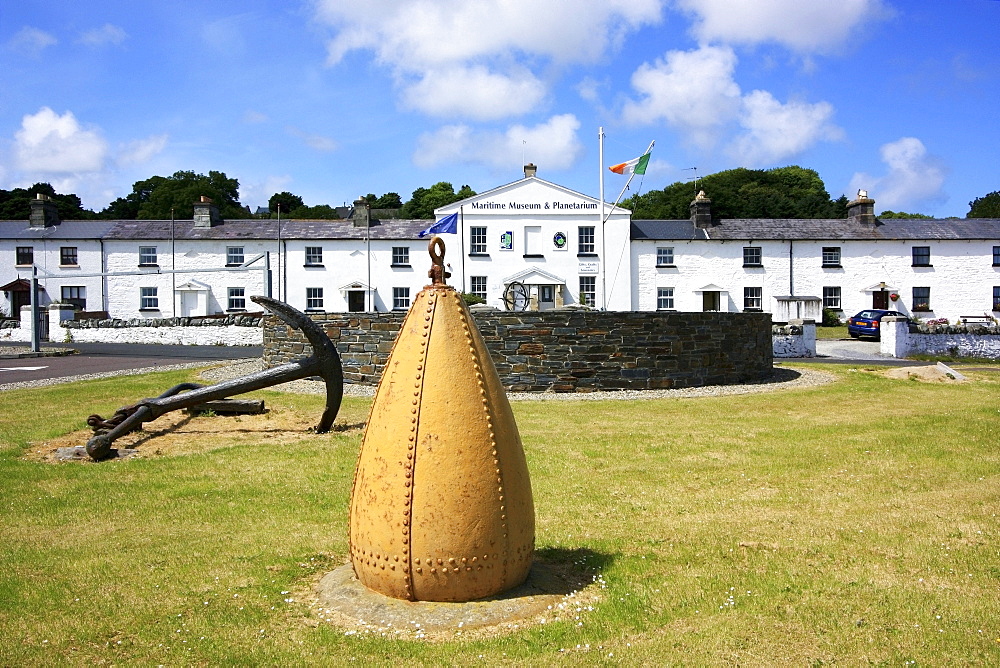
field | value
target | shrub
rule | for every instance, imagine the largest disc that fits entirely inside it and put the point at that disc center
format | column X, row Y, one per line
column 830, row 318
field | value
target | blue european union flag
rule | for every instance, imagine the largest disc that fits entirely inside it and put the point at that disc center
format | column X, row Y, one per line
column 447, row 225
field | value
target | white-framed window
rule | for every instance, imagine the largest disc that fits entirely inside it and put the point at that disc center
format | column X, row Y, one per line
column 314, row 299
column 25, row 255
column 533, row 241
column 665, row 256
column 68, row 256
column 664, row 299
column 75, row 295
column 752, row 256
column 831, row 296
column 237, row 299
column 400, row 299
column 753, row 299
column 921, row 299
column 314, row 256
column 585, row 239
column 477, row 242
column 401, row 256
column 147, row 256
column 148, row 299
column 477, row 286
column 588, row 290
column 831, row 256
column 234, row 256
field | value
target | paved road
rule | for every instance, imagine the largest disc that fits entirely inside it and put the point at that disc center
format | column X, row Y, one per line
column 848, row 351
column 109, row 357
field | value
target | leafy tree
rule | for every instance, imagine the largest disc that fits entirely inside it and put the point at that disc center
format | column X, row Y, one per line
column 987, row 206
column 153, row 198
column 783, row 192
column 425, row 200
column 903, row 214
column 321, row 211
column 388, row 201
column 16, row 204
column 286, row 201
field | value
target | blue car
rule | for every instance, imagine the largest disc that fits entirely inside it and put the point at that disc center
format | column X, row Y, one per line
column 866, row 323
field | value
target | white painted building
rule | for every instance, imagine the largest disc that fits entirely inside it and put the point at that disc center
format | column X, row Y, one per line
column 530, row 243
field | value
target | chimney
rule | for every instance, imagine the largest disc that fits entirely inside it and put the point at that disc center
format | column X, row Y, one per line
column 206, row 214
column 701, row 211
column 362, row 215
column 862, row 210
column 43, row 212
column 530, row 170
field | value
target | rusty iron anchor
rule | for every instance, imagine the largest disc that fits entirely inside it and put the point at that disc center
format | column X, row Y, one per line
column 324, row 362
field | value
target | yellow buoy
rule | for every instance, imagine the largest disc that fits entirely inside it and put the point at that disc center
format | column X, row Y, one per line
column 441, row 507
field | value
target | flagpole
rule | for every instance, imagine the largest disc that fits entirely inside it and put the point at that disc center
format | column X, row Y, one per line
column 461, row 247
column 600, row 153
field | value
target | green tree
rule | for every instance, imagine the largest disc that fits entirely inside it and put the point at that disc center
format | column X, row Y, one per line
column 903, row 214
column 987, row 206
column 153, row 198
column 783, row 192
column 388, row 201
column 286, row 201
column 321, row 211
column 425, row 200
column 16, row 204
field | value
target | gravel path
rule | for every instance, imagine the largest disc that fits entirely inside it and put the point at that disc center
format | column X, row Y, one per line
column 783, row 378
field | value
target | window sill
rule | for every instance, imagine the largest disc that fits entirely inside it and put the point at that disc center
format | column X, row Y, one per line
column 586, row 254
column 151, row 308
column 753, row 266
column 916, row 309
column 69, row 266
column 236, row 310
column 234, row 264
column 314, row 266
column 314, row 310
column 666, row 310
column 470, row 255
column 533, row 255
column 832, row 266
column 928, row 266
column 666, row 266
column 149, row 266
column 400, row 266
column 753, row 310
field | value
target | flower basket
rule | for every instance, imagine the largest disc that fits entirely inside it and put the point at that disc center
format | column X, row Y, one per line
column 894, row 296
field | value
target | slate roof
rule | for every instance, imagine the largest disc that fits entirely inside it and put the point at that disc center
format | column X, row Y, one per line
column 837, row 229
column 236, row 230
column 67, row 229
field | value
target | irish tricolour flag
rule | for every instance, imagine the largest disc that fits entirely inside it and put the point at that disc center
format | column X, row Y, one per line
column 635, row 166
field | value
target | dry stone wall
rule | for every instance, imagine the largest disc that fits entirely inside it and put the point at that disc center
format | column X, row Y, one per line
column 566, row 351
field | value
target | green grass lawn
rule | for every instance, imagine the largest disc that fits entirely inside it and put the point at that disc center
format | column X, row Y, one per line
column 850, row 523
column 838, row 332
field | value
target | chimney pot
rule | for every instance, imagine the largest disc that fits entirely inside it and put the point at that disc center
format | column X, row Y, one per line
column 206, row 214
column 701, row 211
column 44, row 212
column 530, row 170
column 862, row 210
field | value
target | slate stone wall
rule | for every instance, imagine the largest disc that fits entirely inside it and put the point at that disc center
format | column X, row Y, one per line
column 566, row 351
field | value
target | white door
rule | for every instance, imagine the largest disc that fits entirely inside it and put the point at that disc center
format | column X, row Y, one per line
column 189, row 303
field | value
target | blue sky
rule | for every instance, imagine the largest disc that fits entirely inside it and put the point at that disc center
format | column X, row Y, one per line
column 331, row 99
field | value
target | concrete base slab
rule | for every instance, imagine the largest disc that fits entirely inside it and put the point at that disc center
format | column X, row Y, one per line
column 347, row 603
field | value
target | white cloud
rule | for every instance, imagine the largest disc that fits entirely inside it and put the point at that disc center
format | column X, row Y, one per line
column 254, row 117
column 474, row 92
column 776, row 131
column 31, row 41
column 259, row 192
column 914, row 176
column 48, row 143
column 799, row 25
column 106, row 34
column 314, row 141
column 552, row 145
column 141, row 151
column 429, row 42
column 693, row 91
